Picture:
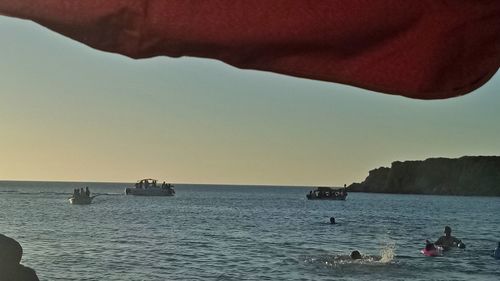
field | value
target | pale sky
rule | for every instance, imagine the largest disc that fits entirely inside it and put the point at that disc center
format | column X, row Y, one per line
column 72, row 113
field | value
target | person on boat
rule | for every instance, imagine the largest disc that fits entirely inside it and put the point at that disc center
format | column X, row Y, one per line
column 447, row 241
column 10, row 262
column 355, row 255
column 332, row 220
column 343, row 191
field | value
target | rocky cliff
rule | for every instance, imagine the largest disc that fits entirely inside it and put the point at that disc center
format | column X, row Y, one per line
column 468, row 175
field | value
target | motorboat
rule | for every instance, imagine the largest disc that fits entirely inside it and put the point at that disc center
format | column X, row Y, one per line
column 81, row 200
column 81, row 196
column 327, row 193
column 150, row 187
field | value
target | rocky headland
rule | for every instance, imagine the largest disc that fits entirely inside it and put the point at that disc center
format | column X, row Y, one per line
column 468, row 175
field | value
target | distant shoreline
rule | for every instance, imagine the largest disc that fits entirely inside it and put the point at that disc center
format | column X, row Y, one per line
column 465, row 176
column 426, row 194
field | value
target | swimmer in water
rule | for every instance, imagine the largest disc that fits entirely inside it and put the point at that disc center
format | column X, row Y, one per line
column 355, row 258
column 447, row 241
column 332, row 220
column 429, row 246
column 496, row 253
column 355, row 255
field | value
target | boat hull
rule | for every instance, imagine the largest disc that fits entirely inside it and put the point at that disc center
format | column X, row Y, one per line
column 327, row 193
column 326, row 198
column 81, row 200
column 149, row 192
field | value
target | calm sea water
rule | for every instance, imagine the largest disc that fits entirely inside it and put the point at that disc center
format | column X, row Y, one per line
column 209, row 232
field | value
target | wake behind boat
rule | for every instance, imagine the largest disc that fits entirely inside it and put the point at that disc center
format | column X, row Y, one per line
column 327, row 193
column 149, row 187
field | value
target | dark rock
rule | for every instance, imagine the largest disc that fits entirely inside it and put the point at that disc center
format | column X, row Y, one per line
column 468, row 175
column 10, row 258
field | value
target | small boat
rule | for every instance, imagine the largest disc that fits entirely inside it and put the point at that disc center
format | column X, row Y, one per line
column 327, row 193
column 149, row 187
column 81, row 196
column 81, row 200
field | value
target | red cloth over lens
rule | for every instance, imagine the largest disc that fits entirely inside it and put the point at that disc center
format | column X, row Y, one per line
column 426, row 49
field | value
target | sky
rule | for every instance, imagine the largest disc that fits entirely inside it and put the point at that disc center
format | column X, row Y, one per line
column 72, row 113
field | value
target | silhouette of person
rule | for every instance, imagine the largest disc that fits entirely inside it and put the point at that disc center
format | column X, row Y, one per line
column 496, row 253
column 355, row 255
column 11, row 268
column 447, row 241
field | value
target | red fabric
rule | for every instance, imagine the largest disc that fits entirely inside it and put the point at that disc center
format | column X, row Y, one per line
column 425, row 49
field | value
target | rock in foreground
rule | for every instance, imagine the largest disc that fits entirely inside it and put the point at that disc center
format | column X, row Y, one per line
column 10, row 258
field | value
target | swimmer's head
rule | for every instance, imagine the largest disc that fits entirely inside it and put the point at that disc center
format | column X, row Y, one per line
column 355, row 255
column 447, row 230
column 332, row 220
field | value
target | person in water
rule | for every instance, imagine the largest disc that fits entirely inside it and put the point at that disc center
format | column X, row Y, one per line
column 10, row 257
column 355, row 255
column 496, row 253
column 332, row 220
column 429, row 246
column 447, row 241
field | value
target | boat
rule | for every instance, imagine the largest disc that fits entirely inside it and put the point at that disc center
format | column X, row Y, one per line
column 149, row 187
column 81, row 196
column 327, row 193
column 81, row 200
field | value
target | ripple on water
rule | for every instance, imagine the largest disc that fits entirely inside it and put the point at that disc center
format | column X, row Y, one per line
column 252, row 233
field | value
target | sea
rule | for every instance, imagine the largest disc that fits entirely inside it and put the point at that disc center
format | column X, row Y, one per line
column 232, row 232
